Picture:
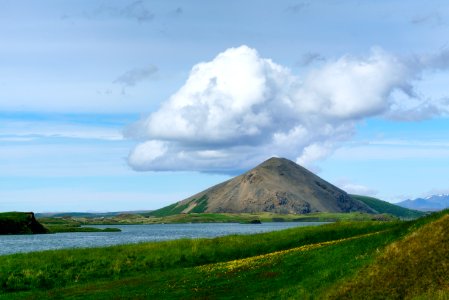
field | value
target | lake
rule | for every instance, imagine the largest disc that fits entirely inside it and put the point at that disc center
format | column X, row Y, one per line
column 134, row 234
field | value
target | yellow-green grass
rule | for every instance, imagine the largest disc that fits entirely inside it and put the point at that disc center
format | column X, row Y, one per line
column 56, row 269
column 416, row 267
column 301, row 272
column 297, row 263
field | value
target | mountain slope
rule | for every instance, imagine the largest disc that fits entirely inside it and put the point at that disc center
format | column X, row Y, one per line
column 277, row 185
column 432, row 203
column 383, row 207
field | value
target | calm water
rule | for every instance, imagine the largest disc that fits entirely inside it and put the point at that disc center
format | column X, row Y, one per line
column 133, row 234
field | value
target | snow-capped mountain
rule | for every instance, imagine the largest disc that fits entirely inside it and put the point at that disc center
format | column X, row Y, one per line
column 431, row 203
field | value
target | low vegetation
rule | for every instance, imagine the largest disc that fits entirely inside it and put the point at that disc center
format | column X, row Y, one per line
column 199, row 206
column 124, row 219
column 68, row 224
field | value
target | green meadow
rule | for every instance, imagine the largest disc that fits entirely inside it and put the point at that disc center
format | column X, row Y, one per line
column 303, row 262
column 360, row 256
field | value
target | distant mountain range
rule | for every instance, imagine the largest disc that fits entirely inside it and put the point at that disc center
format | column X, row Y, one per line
column 431, row 203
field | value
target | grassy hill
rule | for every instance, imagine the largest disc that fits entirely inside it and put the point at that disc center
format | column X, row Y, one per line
column 384, row 207
column 20, row 223
column 413, row 268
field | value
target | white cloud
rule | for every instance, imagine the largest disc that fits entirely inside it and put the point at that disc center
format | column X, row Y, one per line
column 314, row 152
column 240, row 109
column 145, row 153
column 357, row 189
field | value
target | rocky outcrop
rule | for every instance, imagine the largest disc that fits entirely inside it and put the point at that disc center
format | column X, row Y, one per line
column 20, row 223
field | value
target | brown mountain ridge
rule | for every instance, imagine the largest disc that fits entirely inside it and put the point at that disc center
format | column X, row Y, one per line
column 277, row 185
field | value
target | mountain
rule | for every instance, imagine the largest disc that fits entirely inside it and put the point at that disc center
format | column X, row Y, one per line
column 431, row 203
column 277, row 185
column 383, row 207
column 20, row 223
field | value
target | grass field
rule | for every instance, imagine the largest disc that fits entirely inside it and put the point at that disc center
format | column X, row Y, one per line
column 299, row 263
column 137, row 266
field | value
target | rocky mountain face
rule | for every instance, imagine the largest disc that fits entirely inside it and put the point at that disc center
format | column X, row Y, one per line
column 277, row 185
column 431, row 203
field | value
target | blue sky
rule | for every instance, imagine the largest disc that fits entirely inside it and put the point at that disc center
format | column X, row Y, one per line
column 126, row 105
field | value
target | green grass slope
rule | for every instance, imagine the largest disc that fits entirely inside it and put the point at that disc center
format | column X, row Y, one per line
column 384, row 207
column 416, row 267
column 20, row 223
column 199, row 206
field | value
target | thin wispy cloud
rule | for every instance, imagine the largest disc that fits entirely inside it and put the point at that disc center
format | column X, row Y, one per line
column 432, row 18
column 31, row 130
column 310, row 58
column 177, row 12
column 136, row 75
column 354, row 188
column 298, row 7
column 135, row 10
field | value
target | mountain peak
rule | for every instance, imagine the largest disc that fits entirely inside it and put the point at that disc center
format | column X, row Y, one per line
column 276, row 161
column 277, row 185
column 430, row 203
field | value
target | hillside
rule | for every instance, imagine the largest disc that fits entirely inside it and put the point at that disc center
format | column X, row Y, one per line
column 383, row 207
column 415, row 267
column 20, row 223
column 277, row 185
